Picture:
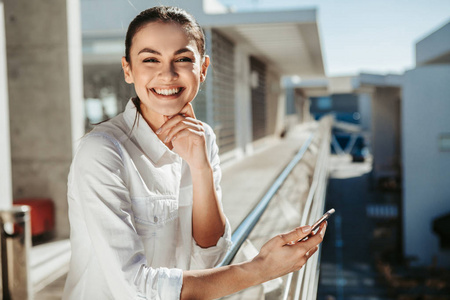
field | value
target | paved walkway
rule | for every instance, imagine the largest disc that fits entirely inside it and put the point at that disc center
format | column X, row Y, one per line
column 244, row 182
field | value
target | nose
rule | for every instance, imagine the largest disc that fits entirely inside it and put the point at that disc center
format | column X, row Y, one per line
column 167, row 72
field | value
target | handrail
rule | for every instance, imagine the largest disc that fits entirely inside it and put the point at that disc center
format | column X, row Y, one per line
column 246, row 226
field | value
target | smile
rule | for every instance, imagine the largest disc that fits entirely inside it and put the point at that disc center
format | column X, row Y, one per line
column 167, row 92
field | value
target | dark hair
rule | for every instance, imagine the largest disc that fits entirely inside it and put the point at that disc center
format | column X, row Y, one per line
column 165, row 14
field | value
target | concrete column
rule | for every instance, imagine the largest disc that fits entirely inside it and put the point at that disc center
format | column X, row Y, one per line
column 5, row 155
column 274, row 93
column 75, row 71
column 40, row 97
column 243, row 110
column 386, row 132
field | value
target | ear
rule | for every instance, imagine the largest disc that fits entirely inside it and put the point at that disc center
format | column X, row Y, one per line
column 204, row 70
column 127, row 71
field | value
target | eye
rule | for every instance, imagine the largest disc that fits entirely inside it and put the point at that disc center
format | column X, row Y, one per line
column 150, row 60
column 184, row 59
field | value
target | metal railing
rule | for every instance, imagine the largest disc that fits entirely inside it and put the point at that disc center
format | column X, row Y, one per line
column 301, row 284
column 306, row 280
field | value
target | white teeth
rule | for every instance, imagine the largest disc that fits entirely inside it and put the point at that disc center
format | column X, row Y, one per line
column 167, row 92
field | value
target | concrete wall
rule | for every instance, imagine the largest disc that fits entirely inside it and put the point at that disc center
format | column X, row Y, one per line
column 426, row 170
column 435, row 48
column 221, row 72
column 386, row 132
column 40, row 99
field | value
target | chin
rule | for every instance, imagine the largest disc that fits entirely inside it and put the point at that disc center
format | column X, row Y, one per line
column 170, row 111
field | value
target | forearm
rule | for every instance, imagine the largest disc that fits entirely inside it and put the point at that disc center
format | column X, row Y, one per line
column 208, row 219
column 219, row 282
column 279, row 256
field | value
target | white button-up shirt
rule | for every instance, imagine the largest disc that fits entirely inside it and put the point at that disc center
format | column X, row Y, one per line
column 130, row 211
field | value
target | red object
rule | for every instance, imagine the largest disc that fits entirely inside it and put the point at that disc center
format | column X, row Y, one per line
column 42, row 214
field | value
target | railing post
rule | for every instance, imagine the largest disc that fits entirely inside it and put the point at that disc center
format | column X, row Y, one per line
column 14, row 252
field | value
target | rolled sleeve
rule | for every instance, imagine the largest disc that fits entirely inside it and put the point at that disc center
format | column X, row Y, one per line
column 159, row 284
column 204, row 258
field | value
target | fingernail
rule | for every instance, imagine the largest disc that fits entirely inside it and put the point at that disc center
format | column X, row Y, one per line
column 173, row 138
column 159, row 130
column 305, row 229
column 165, row 140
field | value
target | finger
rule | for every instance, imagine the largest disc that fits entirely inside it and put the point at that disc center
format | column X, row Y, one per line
column 188, row 110
column 170, row 122
column 186, row 132
column 182, row 126
column 295, row 235
column 322, row 228
column 193, row 120
column 311, row 252
column 315, row 238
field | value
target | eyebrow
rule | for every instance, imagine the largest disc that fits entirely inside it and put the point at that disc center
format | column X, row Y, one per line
column 179, row 51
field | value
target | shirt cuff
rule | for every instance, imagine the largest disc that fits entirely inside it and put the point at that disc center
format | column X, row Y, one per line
column 159, row 284
column 204, row 258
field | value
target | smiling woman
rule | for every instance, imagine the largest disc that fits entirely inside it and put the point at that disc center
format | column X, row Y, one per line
column 144, row 197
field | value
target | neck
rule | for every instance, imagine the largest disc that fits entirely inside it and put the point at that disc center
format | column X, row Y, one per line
column 155, row 121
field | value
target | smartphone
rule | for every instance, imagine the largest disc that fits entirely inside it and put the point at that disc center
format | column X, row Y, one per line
column 318, row 222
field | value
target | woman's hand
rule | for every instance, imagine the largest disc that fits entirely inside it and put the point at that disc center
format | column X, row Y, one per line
column 187, row 136
column 284, row 254
column 279, row 256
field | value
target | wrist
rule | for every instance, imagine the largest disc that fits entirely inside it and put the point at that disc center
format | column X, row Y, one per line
column 201, row 169
column 254, row 272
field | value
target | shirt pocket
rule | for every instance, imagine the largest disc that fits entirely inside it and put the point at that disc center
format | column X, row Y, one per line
column 155, row 211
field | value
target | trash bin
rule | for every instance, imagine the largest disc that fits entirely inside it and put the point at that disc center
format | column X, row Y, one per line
column 14, row 252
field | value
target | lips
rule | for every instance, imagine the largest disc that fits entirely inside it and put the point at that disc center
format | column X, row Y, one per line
column 167, row 92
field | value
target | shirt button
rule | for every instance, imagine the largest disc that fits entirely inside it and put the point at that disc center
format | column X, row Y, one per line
column 155, row 219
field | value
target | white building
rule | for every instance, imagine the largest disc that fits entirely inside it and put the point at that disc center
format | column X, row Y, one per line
column 426, row 148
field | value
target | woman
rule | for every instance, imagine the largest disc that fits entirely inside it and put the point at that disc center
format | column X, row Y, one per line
column 144, row 195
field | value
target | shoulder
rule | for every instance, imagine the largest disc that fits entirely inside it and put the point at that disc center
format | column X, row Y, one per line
column 101, row 146
column 106, row 135
column 115, row 127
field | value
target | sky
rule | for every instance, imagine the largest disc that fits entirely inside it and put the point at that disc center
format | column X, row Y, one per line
column 371, row 36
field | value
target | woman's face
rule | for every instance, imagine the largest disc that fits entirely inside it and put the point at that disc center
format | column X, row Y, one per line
column 166, row 68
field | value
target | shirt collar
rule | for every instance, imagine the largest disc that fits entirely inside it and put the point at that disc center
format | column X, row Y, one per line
column 144, row 136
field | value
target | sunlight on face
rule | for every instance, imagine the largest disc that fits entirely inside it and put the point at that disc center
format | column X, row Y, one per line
column 165, row 67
